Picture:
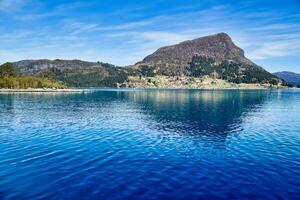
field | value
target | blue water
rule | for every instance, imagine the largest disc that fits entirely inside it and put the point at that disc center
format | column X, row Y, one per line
column 151, row 144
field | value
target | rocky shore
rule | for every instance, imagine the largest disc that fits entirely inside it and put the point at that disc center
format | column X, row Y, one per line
column 185, row 82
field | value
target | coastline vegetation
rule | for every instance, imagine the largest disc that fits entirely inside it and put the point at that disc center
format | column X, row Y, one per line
column 11, row 79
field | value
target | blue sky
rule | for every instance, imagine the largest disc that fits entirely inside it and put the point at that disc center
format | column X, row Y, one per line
column 123, row 32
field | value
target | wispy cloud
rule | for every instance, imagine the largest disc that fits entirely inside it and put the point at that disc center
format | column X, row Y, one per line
column 164, row 37
column 275, row 49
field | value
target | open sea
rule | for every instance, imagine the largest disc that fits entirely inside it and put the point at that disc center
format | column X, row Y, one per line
column 150, row 144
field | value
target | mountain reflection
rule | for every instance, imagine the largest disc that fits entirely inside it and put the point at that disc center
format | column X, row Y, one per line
column 199, row 112
column 205, row 116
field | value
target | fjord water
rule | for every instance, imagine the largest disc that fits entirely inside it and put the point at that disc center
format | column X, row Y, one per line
column 151, row 144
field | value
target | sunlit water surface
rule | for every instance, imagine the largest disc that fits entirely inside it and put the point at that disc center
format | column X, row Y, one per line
column 151, row 144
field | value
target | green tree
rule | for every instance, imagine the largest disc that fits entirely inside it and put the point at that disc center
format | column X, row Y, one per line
column 201, row 66
column 147, row 71
column 7, row 70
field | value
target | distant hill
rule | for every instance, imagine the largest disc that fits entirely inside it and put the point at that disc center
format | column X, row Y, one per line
column 39, row 66
column 214, row 55
column 74, row 73
column 289, row 77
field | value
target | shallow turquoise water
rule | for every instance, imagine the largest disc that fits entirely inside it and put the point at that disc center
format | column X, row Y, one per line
column 151, row 144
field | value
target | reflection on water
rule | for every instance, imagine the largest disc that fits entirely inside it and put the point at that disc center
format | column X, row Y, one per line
column 198, row 111
column 206, row 115
column 150, row 144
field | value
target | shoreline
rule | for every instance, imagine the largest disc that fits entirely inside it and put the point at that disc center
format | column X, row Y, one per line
column 88, row 90
column 214, row 88
column 43, row 90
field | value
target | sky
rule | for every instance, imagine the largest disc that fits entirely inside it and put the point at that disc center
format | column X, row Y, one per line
column 123, row 32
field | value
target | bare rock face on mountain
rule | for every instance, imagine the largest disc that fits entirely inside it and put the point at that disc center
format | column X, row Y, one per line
column 214, row 55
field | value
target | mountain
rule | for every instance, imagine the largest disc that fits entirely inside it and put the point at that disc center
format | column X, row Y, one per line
column 289, row 77
column 214, row 55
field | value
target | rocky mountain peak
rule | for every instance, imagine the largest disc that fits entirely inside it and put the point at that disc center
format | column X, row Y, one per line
column 219, row 46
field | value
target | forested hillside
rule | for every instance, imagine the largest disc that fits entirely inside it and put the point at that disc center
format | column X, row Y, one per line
column 10, row 78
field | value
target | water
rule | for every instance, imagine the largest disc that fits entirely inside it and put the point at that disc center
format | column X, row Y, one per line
column 151, row 144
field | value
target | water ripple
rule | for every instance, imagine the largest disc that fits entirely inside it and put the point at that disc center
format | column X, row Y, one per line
column 151, row 144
